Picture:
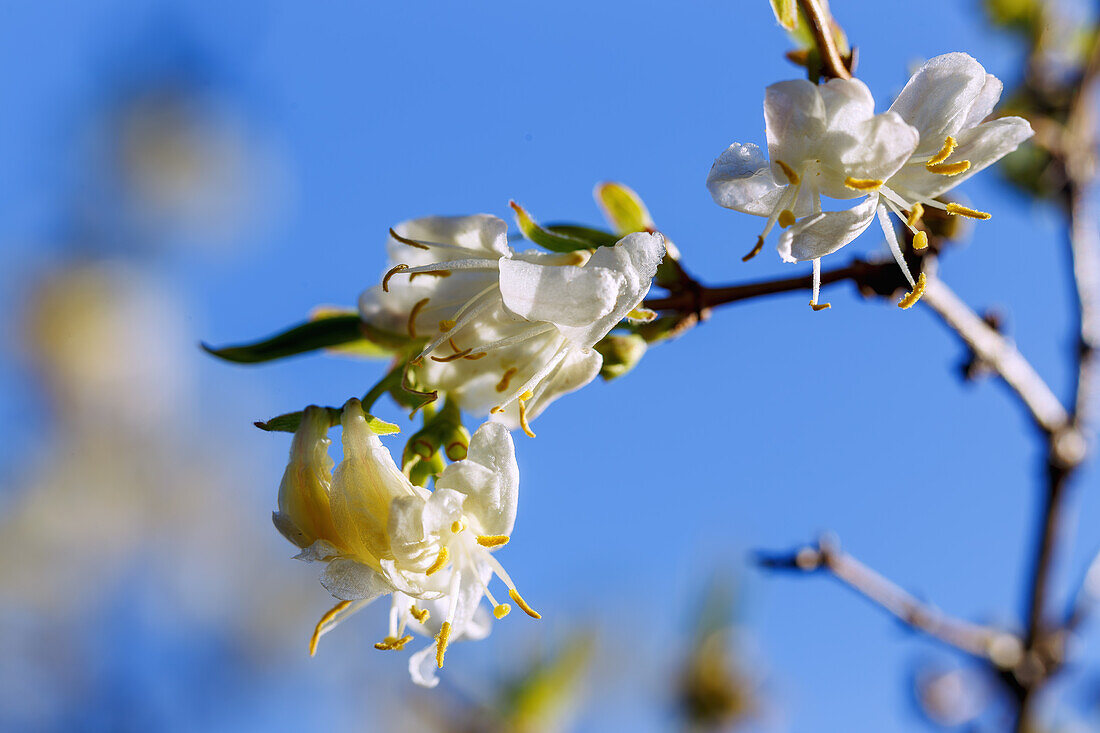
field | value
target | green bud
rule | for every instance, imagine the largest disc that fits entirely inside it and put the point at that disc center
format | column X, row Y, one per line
column 421, row 470
column 621, row 352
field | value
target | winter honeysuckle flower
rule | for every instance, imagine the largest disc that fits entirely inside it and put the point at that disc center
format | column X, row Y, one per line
column 378, row 534
column 507, row 332
column 822, row 141
column 947, row 101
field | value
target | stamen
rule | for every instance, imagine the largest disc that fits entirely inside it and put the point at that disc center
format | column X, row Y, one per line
column 446, row 325
column 949, row 146
column 789, row 173
column 817, row 288
column 406, row 240
column 392, row 643
column 948, row 169
column 786, row 218
column 452, row 357
column 331, row 614
column 457, row 526
column 436, row 273
column 966, row 211
column 420, row 614
column 414, row 313
column 918, row 290
column 915, row 215
column 755, row 250
column 496, row 410
column 821, row 306
column 522, row 603
column 492, row 540
column 502, row 610
column 502, row 385
column 863, row 184
column 920, row 241
column 475, row 357
column 441, row 643
column 523, row 413
column 393, row 271
column 440, row 561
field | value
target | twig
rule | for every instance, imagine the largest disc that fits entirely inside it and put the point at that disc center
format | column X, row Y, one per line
column 999, row 647
column 823, row 34
column 999, row 354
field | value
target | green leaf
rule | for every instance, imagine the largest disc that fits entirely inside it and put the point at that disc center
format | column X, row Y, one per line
column 595, row 237
column 327, row 332
column 546, row 238
column 289, row 423
column 623, row 208
column 786, row 13
column 361, row 348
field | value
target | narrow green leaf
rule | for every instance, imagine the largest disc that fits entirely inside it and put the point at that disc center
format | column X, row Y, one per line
column 623, row 208
column 546, row 238
column 595, row 237
column 289, row 423
column 363, row 348
column 319, row 334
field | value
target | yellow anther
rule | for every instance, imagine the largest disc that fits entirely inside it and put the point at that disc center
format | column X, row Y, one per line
column 475, row 357
column 502, row 610
column 393, row 271
column 441, row 643
column 413, row 314
column 420, row 614
column 522, row 603
column 966, row 211
column 504, row 380
column 392, row 643
column 863, row 184
column 645, row 315
column 492, row 540
column 523, row 413
column 948, row 169
column 918, row 290
column 496, row 410
column 915, row 215
column 457, row 526
column 755, row 250
column 786, row 218
column 406, row 240
column 331, row 614
column 440, row 561
column 452, row 357
column 949, row 146
column 446, row 325
column 920, row 241
column 821, row 306
column 792, row 177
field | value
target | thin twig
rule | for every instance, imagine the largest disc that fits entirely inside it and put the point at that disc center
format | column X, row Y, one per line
column 823, row 34
column 999, row 647
column 999, row 354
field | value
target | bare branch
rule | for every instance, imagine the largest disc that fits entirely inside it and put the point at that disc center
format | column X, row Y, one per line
column 823, row 34
column 999, row 647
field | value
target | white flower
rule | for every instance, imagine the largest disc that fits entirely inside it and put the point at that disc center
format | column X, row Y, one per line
column 379, row 534
column 822, row 141
column 508, row 332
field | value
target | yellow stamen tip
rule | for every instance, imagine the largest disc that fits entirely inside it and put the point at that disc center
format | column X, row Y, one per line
column 440, row 562
column 522, row 603
column 492, row 540
column 457, row 526
column 920, row 241
column 863, row 184
column 786, row 218
column 792, row 177
column 393, row 271
column 496, row 410
column 406, row 240
column 918, row 290
column 392, row 643
column 523, row 413
column 420, row 614
column 329, row 615
column 949, row 146
column 968, row 212
column 446, row 325
column 821, row 306
column 413, row 314
column 441, row 643
column 502, row 610
column 502, row 385
column 948, row 169
column 915, row 215
column 755, row 250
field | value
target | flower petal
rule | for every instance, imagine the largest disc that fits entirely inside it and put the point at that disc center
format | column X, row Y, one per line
column 482, row 233
column 821, row 234
column 422, row 667
column 303, row 515
column 741, row 179
column 794, row 117
column 352, row 581
column 938, row 99
column 489, row 477
column 985, row 102
column 567, row 296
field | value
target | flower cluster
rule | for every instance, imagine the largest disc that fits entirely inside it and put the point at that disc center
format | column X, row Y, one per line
column 827, row 141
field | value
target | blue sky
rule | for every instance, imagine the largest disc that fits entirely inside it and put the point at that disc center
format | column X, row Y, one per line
column 761, row 428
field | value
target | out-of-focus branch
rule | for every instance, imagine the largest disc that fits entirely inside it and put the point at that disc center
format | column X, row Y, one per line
column 999, row 647
column 999, row 354
column 823, row 35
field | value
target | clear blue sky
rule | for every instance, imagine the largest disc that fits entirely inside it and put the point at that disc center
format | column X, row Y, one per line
column 761, row 428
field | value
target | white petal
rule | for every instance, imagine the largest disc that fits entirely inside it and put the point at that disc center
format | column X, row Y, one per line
column 479, row 625
column 938, row 99
column 319, row 551
column 443, row 508
column 578, row 368
column 741, row 179
column 821, row 234
column 303, row 515
column 985, row 102
column 794, row 117
column 875, row 149
column 489, row 477
column 848, row 103
column 351, row 581
column 422, row 667
column 567, row 296
column 481, row 233
column 406, row 531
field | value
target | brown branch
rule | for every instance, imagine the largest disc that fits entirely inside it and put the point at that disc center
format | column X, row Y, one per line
column 823, row 33
column 993, row 645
